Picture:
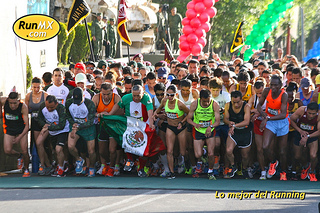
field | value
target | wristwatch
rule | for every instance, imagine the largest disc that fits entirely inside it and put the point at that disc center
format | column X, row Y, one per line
column 308, row 136
column 268, row 118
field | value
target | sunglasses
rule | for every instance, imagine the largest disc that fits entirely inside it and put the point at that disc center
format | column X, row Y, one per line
column 162, row 78
column 90, row 68
column 170, row 94
column 161, row 94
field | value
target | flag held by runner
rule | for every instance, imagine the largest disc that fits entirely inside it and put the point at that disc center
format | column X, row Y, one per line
column 168, row 56
column 134, row 135
column 238, row 39
column 122, row 19
column 79, row 11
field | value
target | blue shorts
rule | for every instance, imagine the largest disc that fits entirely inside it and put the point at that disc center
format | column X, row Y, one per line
column 278, row 127
column 222, row 131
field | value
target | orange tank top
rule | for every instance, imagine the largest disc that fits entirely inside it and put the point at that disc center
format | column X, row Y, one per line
column 273, row 106
column 105, row 108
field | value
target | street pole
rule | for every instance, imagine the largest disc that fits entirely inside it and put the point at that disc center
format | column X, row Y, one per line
column 88, row 36
column 302, row 33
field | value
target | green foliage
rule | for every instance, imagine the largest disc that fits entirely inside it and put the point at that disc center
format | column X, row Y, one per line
column 67, row 47
column 29, row 73
column 80, row 48
column 62, row 38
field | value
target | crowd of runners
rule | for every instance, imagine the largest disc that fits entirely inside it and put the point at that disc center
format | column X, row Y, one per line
column 217, row 118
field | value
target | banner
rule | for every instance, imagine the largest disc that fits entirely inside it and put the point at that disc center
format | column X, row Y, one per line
column 79, row 11
column 168, row 56
column 122, row 19
column 134, row 135
column 238, row 39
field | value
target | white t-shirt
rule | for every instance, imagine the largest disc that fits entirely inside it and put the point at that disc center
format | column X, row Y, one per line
column 222, row 99
column 60, row 92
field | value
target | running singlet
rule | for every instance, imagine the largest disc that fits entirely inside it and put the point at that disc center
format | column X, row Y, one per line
column 248, row 94
column 255, row 105
column 12, row 119
column 238, row 118
column 273, row 106
column 188, row 102
column 204, row 116
column 53, row 119
column 105, row 108
column 309, row 126
column 34, row 107
column 222, row 99
column 305, row 101
column 60, row 92
column 173, row 113
column 290, row 112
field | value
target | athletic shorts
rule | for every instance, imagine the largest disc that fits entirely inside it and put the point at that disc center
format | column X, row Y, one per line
column 58, row 140
column 35, row 125
column 87, row 134
column 103, row 135
column 222, row 131
column 82, row 147
column 175, row 130
column 278, row 127
column 200, row 136
column 242, row 140
column 163, row 126
column 189, row 127
column 13, row 132
column 297, row 138
column 256, row 127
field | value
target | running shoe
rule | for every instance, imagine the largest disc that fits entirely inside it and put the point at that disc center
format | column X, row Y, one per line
column 164, row 174
column 305, row 172
column 99, row 172
column 116, row 170
column 128, row 166
column 60, row 173
column 20, row 163
column 171, row 176
column 312, row 176
column 188, row 171
column 272, row 169
column 211, row 176
column 181, row 168
column 142, row 173
column 66, row 168
column 283, row 176
column 216, row 162
column 41, row 171
column 249, row 172
column 239, row 169
column 216, row 172
column 232, row 171
column 49, row 170
column 79, row 166
column 91, row 172
column 105, row 170
column 293, row 175
column 110, row 173
column 263, row 175
column 198, row 168
column 55, row 172
column 26, row 173
column 225, row 172
column 154, row 172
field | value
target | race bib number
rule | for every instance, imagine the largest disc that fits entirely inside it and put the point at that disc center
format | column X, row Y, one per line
column 34, row 114
column 205, row 124
column 80, row 120
column 172, row 115
column 273, row 111
column 306, row 127
column 11, row 117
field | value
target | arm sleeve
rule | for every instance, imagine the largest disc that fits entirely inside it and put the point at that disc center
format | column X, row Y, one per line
column 91, row 114
column 69, row 116
column 62, row 119
column 41, row 119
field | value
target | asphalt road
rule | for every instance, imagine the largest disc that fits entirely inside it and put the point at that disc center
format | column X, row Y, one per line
column 142, row 200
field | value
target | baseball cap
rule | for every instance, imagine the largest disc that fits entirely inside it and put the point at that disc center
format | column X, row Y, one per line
column 77, row 95
column 80, row 66
column 101, row 63
column 318, row 79
column 305, row 83
column 132, row 63
column 80, row 77
column 90, row 62
column 162, row 72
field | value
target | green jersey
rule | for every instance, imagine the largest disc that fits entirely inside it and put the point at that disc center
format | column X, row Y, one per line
column 204, row 116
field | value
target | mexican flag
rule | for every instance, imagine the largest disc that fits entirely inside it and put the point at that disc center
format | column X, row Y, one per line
column 134, row 135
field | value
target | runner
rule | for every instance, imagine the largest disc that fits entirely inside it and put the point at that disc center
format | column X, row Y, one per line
column 52, row 119
column 81, row 115
column 15, row 129
column 243, row 86
column 206, row 118
column 104, row 103
column 306, row 94
column 58, row 89
column 237, row 116
column 176, row 118
column 306, row 120
column 275, row 123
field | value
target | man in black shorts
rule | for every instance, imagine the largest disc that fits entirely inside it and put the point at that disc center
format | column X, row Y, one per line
column 15, row 129
column 52, row 118
column 237, row 116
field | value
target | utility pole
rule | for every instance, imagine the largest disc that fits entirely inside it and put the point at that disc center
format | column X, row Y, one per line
column 302, row 33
